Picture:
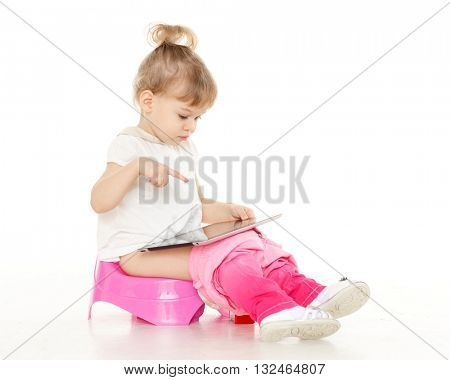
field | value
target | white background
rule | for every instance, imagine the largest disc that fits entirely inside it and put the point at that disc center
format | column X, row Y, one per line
column 378, row 178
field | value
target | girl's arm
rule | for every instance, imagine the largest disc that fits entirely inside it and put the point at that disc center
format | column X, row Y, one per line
column 117, row 180
column 113, row 185
column 216, row 212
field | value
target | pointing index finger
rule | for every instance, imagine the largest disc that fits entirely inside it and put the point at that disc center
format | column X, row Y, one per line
column 178, row 175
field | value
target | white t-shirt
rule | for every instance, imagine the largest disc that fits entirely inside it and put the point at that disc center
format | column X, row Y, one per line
column 148, row 214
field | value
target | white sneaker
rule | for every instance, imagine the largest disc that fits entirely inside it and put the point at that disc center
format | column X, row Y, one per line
column 342, row 298
column 312, row 323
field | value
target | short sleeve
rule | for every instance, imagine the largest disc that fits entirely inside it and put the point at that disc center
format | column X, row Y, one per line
column 122, row 150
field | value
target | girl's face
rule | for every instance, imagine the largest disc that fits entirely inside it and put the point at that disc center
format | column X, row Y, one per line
column 167, row 118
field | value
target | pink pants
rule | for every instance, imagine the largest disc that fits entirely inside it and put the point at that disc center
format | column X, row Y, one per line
column 248, row 273
column 264, row 291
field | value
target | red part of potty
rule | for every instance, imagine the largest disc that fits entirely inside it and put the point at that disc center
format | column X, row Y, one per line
column 243, row 320
column 160, row 301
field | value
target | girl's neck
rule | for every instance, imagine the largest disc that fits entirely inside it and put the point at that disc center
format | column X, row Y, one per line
column 146, row 126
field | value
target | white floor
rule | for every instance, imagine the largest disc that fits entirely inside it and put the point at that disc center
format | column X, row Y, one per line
column 114, row 334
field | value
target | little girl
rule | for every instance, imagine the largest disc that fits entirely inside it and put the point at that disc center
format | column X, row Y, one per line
column 244, row 274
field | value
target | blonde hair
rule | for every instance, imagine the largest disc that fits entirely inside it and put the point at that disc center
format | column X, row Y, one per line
column 172, row 65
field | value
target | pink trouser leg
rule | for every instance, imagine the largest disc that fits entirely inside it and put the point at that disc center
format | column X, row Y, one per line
column 301, row 288
column 242, row 281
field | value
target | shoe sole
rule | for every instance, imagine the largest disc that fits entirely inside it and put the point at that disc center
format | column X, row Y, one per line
column 347, row 301
column 303, row 329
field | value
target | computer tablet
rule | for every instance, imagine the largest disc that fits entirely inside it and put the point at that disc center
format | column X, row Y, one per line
column 210, row 233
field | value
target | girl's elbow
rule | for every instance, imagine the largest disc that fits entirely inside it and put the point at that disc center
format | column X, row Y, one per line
column 95, row 207
column 99, row 208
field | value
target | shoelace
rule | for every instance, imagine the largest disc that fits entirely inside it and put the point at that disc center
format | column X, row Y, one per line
column 312, row 312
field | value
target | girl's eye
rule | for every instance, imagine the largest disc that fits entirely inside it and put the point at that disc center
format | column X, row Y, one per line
column 185, row 117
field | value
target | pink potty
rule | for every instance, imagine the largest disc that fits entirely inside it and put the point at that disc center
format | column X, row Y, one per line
column 160, row 301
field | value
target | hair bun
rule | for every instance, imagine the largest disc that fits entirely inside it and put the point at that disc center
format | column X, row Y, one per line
column 160, row 34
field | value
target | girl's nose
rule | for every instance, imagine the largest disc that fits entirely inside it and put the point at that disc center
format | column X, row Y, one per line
column 190, row 126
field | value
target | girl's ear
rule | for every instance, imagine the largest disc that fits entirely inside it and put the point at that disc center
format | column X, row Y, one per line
column 146, row 100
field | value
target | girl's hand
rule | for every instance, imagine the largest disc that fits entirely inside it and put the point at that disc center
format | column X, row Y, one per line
column 238, row 212
column 157, row 174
